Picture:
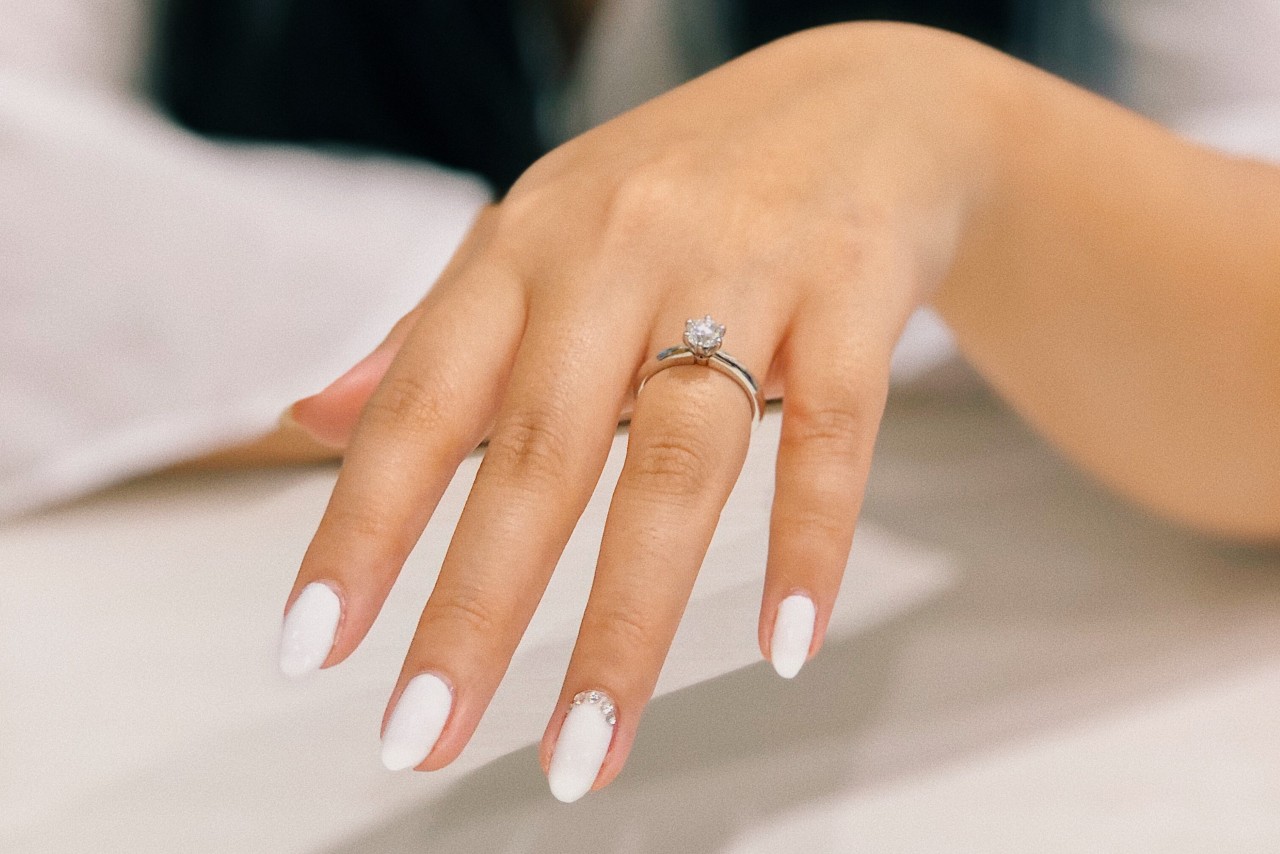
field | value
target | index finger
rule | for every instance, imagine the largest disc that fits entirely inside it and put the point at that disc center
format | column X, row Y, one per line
column 430, row 410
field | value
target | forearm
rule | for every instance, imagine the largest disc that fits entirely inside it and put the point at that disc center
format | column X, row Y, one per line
column 1122, row 288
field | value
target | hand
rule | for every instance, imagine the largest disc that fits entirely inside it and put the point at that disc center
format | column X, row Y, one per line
column 809, row 196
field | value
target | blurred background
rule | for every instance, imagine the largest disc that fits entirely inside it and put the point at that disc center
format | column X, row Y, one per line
column 211, row 208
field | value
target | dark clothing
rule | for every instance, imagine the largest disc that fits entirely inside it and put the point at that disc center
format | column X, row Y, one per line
column 447, row 80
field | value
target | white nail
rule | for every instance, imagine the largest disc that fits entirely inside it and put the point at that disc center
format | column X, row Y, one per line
column 416, row 723
column 792, row 635
column 581, row 746
column 309, row 628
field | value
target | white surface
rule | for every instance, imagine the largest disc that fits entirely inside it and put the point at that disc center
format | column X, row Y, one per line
column 1074, row 678
column 138, row 631
column 416, row 723
column 1179, row 774
column 1090, row 681
column 580, row 749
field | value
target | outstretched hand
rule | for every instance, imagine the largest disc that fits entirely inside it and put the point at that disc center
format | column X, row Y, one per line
column 808, row 195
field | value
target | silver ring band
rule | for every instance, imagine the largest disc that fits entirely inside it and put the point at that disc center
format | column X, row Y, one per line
column 697, row 351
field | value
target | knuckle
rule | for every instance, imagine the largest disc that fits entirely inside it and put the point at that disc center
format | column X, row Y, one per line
column 470, row 609
column 671, row 466
column 620, row 628
column 827, row 427
column 814, row 526
column 529, row 447
column 408, row 402
column 550, row 167
column 526, row 203
column 645, row 196
column 361, row 521
column 533, row 208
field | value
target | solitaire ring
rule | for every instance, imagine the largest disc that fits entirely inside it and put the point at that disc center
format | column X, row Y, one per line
column 702, row 340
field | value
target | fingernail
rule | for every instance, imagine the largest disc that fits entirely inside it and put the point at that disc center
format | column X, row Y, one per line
column 309, row 628
column 582, row 745
column 792, row 634
column 416, row 723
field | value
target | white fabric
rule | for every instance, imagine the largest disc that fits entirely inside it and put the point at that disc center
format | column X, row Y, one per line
column 163, row 296
column 99, row 44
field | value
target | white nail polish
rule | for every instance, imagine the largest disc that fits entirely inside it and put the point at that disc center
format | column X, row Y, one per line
column 309, row 628
column 792, row 634
column 416, row 722
column 582, row 745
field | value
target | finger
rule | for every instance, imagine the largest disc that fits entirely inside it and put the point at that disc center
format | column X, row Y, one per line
column 547, row 449
column 831, row 410
column 331, row 415
column 687, row 442
column 427, row 414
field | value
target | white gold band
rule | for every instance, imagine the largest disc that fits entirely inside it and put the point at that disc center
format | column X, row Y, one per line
column 722, row 362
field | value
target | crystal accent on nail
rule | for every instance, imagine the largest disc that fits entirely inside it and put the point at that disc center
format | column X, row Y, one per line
column 703, row 336
column 602, row 701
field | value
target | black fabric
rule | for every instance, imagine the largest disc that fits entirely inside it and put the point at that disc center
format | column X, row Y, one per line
column 756, row 22
column 437, row 79
column 442, row 80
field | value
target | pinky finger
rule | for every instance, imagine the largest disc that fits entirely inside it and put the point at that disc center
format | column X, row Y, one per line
column 830, row 414
column 330, row 416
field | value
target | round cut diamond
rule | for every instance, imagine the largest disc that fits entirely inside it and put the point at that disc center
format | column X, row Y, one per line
column 703, row 336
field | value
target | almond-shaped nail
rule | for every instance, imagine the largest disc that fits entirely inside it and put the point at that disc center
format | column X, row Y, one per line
column 792, row 634
column 416, row 722
column 309, row 629
column 582, row 745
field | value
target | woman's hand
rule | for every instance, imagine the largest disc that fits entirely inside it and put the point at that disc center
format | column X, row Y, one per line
column 809, row 196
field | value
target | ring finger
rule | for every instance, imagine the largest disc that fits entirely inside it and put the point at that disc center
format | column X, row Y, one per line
column 688, row 439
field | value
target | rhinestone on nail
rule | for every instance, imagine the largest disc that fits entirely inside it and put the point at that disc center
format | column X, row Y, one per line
column 600, row 700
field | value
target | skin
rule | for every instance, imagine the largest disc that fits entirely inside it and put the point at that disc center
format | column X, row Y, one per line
column 1119, row 286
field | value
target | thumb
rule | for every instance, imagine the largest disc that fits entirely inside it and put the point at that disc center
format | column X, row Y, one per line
column 330, row 416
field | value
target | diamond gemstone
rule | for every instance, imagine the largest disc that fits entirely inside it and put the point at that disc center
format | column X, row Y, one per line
column 703, row 336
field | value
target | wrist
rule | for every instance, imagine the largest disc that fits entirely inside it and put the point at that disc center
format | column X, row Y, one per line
column 941, row 109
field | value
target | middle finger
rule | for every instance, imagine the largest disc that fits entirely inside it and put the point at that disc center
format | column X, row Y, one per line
column 545, row 454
